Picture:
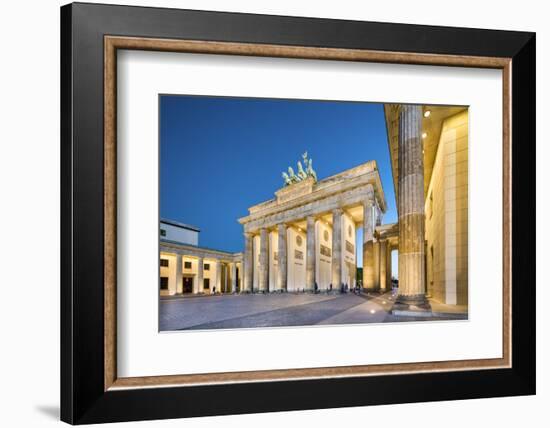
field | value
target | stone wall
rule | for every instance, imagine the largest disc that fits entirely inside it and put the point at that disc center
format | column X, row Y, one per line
column 349, row 250
column 323, row 242
column 272, row 256
column 447, row 215
column 170, row 273
column 296, row 247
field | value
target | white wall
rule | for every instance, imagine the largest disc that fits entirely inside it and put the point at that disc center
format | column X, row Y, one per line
column 296, row 277
column 37, row 145
column 256, row 262
column 323, row 267
column 348, row 258
column 273, row 264
column 179, row 234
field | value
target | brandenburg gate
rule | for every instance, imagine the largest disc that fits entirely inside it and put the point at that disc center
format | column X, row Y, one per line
column 304, row 239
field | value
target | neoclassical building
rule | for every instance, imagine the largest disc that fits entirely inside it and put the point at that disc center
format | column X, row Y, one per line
column 304, row 239
column 187, row 268
column 429, row 156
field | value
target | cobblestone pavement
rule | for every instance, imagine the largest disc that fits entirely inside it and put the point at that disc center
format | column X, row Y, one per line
column 277, row 310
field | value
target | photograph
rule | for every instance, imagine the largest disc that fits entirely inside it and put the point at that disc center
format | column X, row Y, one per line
column 294, row 212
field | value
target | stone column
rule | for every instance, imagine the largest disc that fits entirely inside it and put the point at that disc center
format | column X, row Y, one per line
column 368, row 236
column 225, row 270
column 337, row 249
column 411, row 207
column 383, row 264
column 389, row 268
column 233, row 269
column 179, row 274
column 263, row 274
column 281, row 258
column 376, row 264
column 310, row 254
column 199, row 286
column 218, row 279
column 248, row 262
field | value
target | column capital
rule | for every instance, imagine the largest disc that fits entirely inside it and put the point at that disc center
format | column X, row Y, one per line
column 338, row 211
column 408, row 108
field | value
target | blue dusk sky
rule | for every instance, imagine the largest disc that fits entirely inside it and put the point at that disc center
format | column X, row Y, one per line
column 219, row 156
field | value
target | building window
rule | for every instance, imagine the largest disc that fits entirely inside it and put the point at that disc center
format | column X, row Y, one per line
column 207, row 266
column 162, row 232
column 164, row 262
column 207, row 283
column 187, row 265
column 164, row 283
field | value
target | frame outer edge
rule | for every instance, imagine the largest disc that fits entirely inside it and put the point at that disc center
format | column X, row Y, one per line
column 81, row 399
column 523, row 152
column 66, row 181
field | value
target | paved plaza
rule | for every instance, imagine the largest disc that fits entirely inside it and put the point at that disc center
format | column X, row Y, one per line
column 278, row 310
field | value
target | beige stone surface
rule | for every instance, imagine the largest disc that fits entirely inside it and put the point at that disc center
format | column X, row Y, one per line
column 337, row 248
column 447, row 215
column 282, row 257
column 411, row 202
column 310, row 254
column 264, row 266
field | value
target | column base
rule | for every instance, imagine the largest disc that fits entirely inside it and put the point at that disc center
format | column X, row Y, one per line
column 415, row 305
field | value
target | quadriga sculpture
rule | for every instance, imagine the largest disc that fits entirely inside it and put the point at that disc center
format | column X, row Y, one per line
column 290, row 177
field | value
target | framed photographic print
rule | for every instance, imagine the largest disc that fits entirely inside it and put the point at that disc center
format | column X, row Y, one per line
column 271, row 213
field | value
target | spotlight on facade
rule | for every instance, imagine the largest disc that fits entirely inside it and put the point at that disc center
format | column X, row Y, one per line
column 427, row 113
column 424, row 134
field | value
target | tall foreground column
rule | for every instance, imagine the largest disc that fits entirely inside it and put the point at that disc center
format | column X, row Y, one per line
column 383, row 264
column 281, row 258
column 337, row 249
column 179, row 274
column 411, row 206
column 199, row 286
column 368, row 248
column 263, row 276
column 310, row 254
column 248, row 263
